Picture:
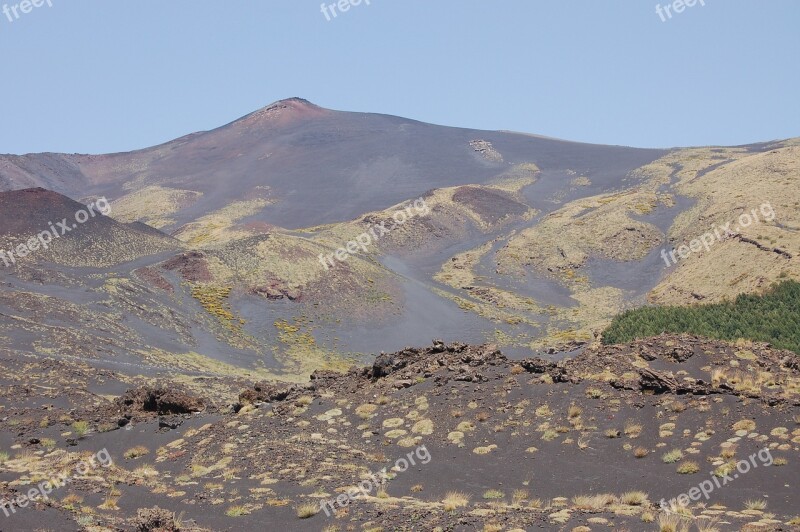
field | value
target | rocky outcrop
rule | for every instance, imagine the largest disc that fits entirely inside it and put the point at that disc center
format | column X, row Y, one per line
column 158, row 400
column 485, row 149
column 155, row 520
column 192, row 266
column 265, row 392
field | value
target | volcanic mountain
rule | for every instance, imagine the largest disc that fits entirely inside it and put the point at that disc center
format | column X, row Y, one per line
column 526, row 241
column 222, row 331
column 311, row 166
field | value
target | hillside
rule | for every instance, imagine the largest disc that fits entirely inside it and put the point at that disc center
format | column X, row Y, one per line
column 526, row 242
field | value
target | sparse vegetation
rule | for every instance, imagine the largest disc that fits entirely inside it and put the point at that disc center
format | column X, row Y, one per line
column 455, row 499
column 672, row 523
column 237, row 511
column 672, row 456
column 81, row 428
column 755, row 504
column 519, row 496
column 111, row 500
column 688, row 468
column 633, row 430
column 136, row 452
column 593, row 502
column 746, row 424
column 634, row 498
column 305, row 511
column 595, row 393
column 707, row 524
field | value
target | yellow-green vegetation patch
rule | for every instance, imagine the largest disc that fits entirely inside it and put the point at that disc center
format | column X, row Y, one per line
column 724, row 192
column 198, row 363
column 745, row 424
column 424, row 427
column 152, row 205
column 688, row 468
column 466, row 426
column 672, row 456
column 366, row 411
column 517, row 178
column 393, row 423
column 455, row 437
column 484, row 450
column 301, row 354
column 213, row 299
column 602, row 225
column 217, row 227
column 330, row 414
column 725, row 469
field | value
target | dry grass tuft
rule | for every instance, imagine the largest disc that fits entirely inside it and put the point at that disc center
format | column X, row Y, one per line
column 688, row 468
column 633, row 430
column 519, row 496
column 672, row 523
column 755, row 504
column 237, row 511
column 672, row 456
column 593, row 502
column 455, row 499
column 704, row 524
column 304, row 511
column 634, row 498
column 136, row 452
column 746, row 424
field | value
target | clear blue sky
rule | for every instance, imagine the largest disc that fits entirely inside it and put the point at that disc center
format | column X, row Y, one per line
column 95, row 76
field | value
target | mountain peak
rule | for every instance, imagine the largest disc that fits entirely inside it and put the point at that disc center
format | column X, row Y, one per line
column 282, row 112
column 294, row 100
